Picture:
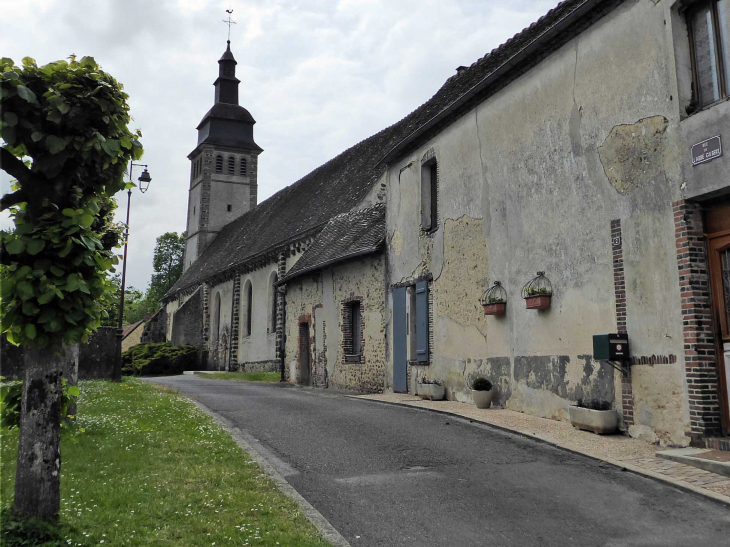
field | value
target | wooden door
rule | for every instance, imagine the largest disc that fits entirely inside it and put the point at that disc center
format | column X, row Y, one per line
column 719, row 255
column 304, row 361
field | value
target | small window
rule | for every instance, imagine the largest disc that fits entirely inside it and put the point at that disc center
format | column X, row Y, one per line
column 243, row 167
column 429, row 196
column 229, row 207
column 709, row 30
column 219, row 164
column 193, row 209
column 352, row 330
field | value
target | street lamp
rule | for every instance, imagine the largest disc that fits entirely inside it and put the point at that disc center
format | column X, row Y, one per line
column 144, row 184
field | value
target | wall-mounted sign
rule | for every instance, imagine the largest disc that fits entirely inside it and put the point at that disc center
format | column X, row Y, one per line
column 616, row 241
column 706, row 150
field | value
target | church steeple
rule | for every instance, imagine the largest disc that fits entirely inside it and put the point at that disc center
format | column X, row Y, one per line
column 226, row 86
column 224, row 164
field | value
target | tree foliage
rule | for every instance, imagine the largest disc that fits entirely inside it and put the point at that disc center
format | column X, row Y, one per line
column 66, row 142
column 167, row 263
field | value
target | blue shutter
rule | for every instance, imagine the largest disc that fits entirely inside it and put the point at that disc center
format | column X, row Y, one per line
column 422, row 322
column 400, row 356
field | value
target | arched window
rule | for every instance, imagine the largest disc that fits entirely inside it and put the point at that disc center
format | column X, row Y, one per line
column 243, row 167
column 219, row 164
column 248, row 308
column 231, row 165
column 272, row 301
column 192, row 169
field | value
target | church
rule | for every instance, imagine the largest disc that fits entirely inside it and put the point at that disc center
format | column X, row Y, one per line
column 578, row 167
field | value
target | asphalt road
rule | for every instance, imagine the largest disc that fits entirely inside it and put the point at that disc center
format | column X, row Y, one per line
column 387, row 475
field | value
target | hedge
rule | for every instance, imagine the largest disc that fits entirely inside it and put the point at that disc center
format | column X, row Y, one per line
column 159, row 359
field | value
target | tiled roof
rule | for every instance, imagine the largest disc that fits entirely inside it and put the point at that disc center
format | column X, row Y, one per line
column 340, row 184
column 356, row 233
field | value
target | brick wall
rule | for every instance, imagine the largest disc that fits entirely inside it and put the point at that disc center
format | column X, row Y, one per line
column 619, row 287
column 699, row 347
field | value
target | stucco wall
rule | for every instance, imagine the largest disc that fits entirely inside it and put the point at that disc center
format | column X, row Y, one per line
column 530, row 180
column 257, row 351
column 318, row 298
column 133, row 338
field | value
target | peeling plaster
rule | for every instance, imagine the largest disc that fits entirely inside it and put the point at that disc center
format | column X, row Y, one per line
column 633, row 154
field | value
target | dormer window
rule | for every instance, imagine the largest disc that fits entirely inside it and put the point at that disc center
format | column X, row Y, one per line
column 219, row 164
column 243, row 167
column 709, row 30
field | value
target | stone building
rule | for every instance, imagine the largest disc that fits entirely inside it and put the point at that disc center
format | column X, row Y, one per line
column 568, row 150
column 587, row 147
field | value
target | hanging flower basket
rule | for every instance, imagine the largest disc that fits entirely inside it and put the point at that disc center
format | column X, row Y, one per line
column 494, row 300
column 537, row 292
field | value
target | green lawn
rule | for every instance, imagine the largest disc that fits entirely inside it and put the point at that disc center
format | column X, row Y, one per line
column 152, row 469
column 244, row 376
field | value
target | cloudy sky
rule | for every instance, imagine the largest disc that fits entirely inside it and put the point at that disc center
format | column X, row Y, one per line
column 317, row 75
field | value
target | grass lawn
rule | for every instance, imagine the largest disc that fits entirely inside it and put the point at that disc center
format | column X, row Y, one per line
column 152, row 469
column 244, row 376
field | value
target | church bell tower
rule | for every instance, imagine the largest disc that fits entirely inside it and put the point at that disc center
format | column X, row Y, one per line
column 223, row 166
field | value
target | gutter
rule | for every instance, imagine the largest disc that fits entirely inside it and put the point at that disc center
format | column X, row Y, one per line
column 326, row 263
column 549, row 33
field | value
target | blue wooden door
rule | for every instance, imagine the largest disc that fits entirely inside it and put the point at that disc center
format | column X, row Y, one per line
column 400, row 354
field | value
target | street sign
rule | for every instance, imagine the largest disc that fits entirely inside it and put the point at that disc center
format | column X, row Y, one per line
column 706, row 150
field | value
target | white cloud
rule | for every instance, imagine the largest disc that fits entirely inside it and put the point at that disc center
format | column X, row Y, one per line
column 318, row 76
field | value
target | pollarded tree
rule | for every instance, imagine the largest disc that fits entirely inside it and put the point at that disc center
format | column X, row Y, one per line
column 66, row 142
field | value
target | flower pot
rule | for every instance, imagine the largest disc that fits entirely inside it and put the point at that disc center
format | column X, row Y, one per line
column 541, row 302
column 495, row 309
column 431, row 392
column 603, row 422
column 482, row 399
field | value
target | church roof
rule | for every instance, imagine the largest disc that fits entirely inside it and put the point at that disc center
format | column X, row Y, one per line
column 339, row 185
column 349, row 235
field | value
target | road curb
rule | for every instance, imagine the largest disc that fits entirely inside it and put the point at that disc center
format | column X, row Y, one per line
column 624, row 466
column 328, row 531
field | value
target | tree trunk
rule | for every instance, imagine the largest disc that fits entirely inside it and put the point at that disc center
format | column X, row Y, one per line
column 71, row 373
column 38, row 474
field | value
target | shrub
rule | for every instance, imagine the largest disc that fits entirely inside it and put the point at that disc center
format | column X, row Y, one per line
column 20, row 531
column 481, row 384
column 159, row 359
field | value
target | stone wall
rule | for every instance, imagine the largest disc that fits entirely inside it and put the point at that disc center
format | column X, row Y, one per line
column 187, row 322
column 96, row 357
column 320, row 299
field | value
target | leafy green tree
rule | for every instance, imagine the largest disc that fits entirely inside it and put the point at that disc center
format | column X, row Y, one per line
column 136, row 304
column 167, row 263
column 66, row 142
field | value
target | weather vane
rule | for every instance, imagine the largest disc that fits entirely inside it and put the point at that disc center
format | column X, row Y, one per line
column 229, row 22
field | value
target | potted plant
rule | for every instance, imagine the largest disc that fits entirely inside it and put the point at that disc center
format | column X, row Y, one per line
column 432, row 391
column 537, row 292
column 482, row 392
column 494, row 300
column 595, row 416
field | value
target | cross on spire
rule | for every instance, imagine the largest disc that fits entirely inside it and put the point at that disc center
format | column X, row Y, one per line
column 229, row 22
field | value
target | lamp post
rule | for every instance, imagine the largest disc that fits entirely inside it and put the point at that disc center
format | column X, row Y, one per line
column 144, row 184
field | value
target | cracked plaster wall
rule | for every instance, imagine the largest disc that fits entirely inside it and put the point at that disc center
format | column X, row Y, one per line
column 526, row 171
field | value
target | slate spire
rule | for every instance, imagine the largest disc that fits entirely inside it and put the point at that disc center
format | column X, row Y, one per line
column 226, row 86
